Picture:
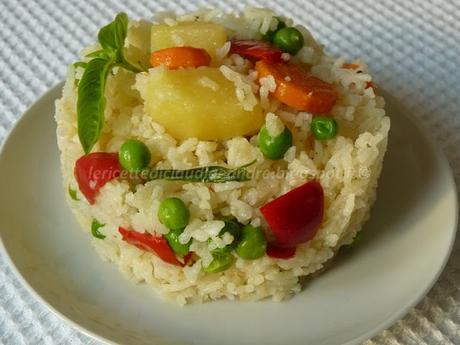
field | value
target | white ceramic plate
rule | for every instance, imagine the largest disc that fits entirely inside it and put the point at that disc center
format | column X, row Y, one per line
column 403, row 250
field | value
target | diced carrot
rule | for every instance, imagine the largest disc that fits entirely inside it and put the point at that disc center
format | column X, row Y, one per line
column 297, row 88
column 176, row 57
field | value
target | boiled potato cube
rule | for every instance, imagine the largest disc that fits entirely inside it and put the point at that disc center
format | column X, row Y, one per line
column 208, row 36
column 197, row 103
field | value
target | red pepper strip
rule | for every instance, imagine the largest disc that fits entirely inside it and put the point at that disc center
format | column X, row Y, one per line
column 280, row 253
column 155, row 244
column 94, row 170
column 256, row 50
column 296, row 216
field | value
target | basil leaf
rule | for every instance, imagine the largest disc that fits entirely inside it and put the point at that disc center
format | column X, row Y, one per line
column 80, row 64
column 130, row 67
column 105, row 54
column 91, row 101
column 209, row 174
column 112, row 39
column 95, row 226
column 73, row 193
column 91, row 87
column 113, row 35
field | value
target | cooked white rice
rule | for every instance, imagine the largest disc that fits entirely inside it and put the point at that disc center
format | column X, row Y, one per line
column 348, row 168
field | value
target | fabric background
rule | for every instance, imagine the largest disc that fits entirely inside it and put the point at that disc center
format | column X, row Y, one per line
column 412, row 47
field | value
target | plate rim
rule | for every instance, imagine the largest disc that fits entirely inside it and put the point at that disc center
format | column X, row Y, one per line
column 446, row 163
column 392, row 319
column 4, row 251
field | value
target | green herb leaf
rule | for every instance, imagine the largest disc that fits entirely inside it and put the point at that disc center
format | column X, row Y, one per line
column 113, row 35
column 73, row 193
column 112, row 39
column 210, row 174
column 91, row 101
column 105, row 54
column 91, row 87
column 95, row 226
column 80, row 64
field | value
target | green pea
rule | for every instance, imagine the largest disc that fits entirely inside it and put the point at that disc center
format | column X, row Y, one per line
column 274, row 147
column 270, row 34
column 134, row 155
column 173, row 240
column 252, row 244
column 289, row 40
column 173, row 213
column 324, row 127
column 220, row 263
column 234, row 229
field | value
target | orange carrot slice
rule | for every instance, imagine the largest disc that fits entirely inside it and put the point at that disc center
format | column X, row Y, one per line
column 176, row 57
column 297, row 88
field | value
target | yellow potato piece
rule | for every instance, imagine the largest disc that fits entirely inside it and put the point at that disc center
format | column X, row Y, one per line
column 208, row 36
column 198, row 103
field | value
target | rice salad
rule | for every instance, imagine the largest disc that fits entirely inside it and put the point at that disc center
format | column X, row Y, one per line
column 216, row 155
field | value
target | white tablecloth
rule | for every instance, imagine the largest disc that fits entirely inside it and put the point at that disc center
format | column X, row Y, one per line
column 413, row 49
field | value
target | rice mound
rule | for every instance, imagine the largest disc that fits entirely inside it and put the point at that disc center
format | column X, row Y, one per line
column 348, row 168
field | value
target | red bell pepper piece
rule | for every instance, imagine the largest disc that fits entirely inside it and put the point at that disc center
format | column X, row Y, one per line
column 94, row 170
column 280, row 253
column 256, row 50
column 296, row 216
column 154, row 244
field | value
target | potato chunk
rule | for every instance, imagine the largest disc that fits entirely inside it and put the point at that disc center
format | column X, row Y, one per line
column 208, row 36
column 199, row 103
